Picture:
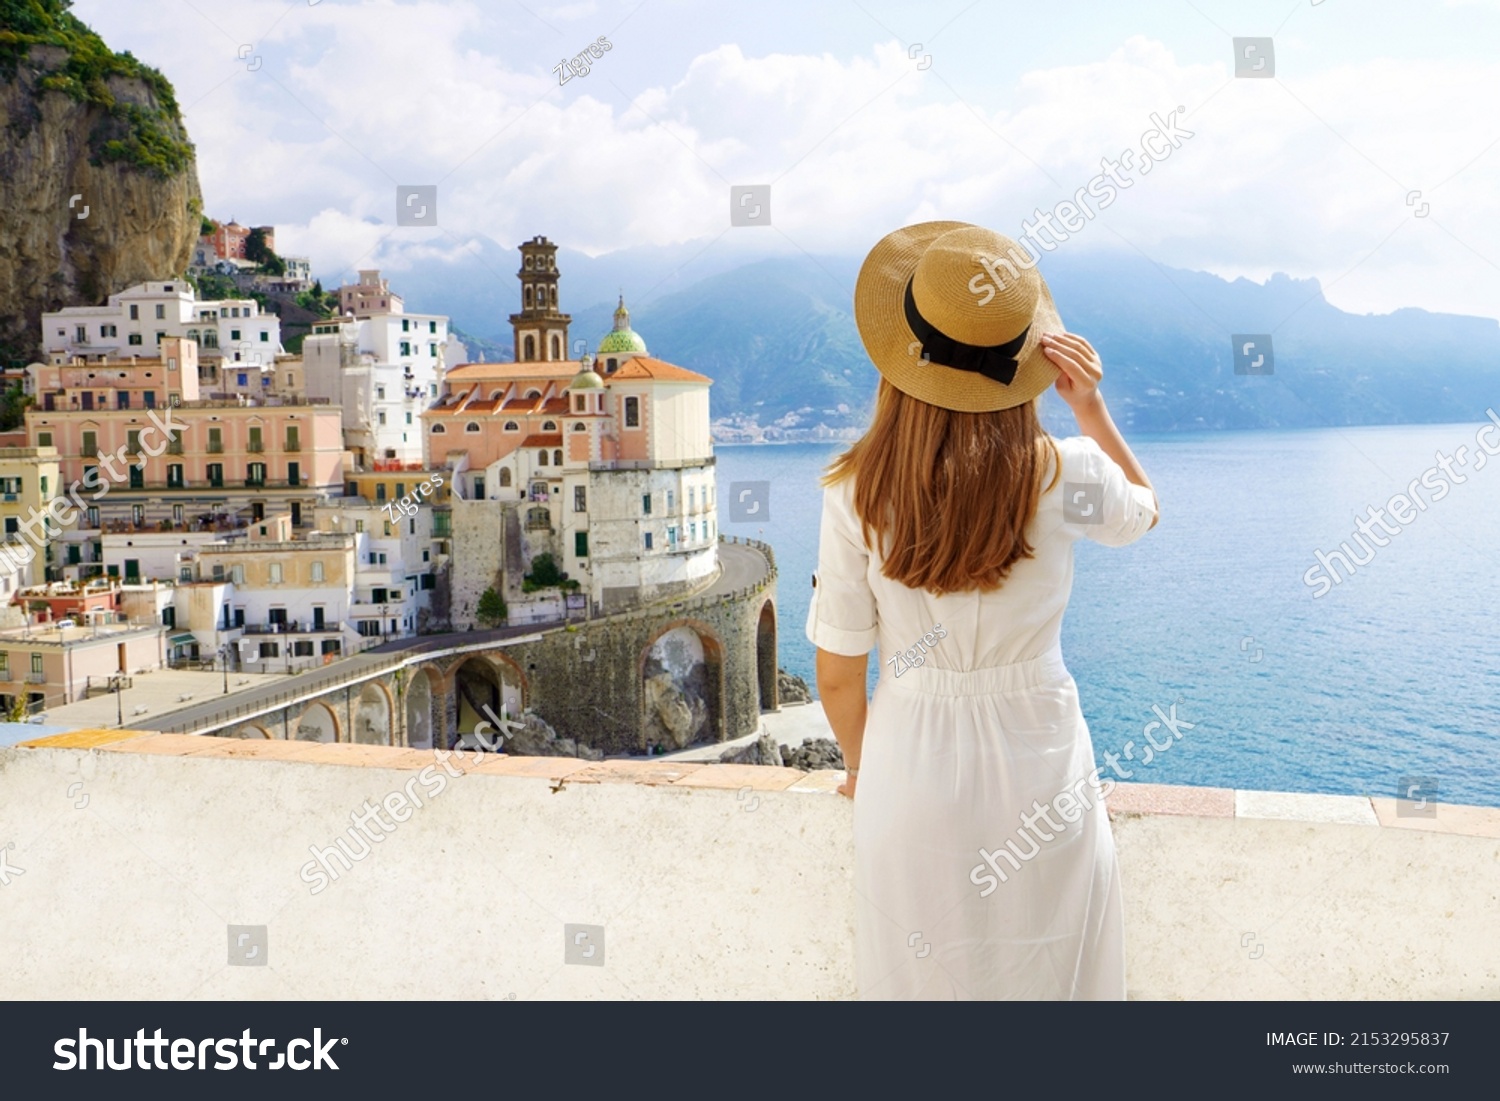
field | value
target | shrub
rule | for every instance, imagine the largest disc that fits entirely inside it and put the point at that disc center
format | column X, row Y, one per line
column 492, row 610
column 148, row 138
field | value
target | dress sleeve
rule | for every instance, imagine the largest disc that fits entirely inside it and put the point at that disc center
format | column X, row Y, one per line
column 1101, row 503
column 842, row 617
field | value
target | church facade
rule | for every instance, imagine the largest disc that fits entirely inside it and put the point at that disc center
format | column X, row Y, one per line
column 605, row 463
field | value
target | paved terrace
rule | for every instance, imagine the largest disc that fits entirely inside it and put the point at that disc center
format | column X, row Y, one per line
column 132, row 853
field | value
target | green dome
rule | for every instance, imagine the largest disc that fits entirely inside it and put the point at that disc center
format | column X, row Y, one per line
column 623, row 338
column 586, row 380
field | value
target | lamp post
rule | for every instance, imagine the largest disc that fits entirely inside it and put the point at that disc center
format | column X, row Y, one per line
column 224, row 654
column 119, row 707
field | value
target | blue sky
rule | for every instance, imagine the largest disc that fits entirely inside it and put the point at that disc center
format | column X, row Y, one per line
column 1004, row 108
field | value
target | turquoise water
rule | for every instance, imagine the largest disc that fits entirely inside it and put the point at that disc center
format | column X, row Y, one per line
column 1394, row 673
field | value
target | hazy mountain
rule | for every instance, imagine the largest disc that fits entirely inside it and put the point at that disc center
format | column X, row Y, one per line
column 479, row 291
column 777, row 336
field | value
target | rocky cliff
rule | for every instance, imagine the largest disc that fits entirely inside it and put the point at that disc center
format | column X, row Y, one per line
column 98, row 185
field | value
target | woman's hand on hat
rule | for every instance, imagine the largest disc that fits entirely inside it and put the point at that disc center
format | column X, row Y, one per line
column 1081, row 368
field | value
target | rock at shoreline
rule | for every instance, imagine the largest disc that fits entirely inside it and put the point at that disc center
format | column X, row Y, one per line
column 537, row 738
column 813, row 754
column 762, row 751
column 791, row 688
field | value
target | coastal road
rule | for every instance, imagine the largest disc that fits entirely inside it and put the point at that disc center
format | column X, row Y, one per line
column 739, row 566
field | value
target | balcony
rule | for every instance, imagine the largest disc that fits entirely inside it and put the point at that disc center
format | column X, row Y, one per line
column 36, row 678
column 255, row 445
column 255, row 483
column 125, row 527
column 294, row 628
column 215, row 447
column 1412, row 918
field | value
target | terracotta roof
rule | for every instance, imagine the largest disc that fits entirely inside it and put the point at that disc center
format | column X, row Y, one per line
column 523, row 405
column 645, row 368
column 543, row 439
column 513, row 372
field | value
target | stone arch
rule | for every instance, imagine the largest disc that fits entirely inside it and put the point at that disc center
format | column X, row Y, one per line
column 248, row 730
column 423, row 715
column 317, row 723
column 681, row 670
column 765, row 657
column 485, row 684
column 373, row 715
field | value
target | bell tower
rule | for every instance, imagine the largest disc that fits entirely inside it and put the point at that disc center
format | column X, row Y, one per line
column 541, row 331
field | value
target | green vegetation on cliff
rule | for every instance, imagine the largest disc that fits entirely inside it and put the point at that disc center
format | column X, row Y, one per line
column 149, row 137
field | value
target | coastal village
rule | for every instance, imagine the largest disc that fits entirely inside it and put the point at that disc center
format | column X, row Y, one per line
column 197, row 487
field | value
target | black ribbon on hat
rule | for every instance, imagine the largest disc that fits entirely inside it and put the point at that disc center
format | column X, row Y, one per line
column 996, row 361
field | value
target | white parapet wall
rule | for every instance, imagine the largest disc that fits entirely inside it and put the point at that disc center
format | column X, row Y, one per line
column 127, row 858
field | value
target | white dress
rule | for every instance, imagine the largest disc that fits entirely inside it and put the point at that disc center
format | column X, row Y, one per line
column 984, row 863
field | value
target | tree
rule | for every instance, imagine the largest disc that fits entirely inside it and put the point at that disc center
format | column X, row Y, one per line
column 255, row 246
column 13, row 403
column 318, row 301
column 544, row 572
column 492, row 610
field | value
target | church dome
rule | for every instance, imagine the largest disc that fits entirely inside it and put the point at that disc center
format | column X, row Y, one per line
column 622, row 338
column 586, row 378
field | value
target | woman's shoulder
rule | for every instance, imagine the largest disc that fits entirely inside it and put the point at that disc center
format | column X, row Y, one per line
column 1078, row 455
column 838, row 498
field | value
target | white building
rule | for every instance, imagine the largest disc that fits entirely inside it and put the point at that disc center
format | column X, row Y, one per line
column 382, row 367
column 611, row 472
column 395, row 555
column 136, row 320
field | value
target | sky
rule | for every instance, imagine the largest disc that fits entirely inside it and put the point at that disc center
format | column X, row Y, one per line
column 1368, row 160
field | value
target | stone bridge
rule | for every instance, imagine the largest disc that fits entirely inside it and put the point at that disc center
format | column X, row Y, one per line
column 699, row 669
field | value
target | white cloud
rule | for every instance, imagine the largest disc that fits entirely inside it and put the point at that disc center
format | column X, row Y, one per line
column 1306, row 174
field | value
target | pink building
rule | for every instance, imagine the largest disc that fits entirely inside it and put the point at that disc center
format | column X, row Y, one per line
column 146, row 450
column 229, row 239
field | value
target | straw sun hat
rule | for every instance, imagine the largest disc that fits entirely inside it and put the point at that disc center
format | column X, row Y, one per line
column 950, row 316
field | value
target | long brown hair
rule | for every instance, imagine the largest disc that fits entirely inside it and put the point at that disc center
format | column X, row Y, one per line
column 947, row 495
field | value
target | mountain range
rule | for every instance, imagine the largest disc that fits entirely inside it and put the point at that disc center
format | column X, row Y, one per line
column 777, row 336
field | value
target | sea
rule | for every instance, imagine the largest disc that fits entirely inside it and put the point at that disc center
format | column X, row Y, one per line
column 1388, row 679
